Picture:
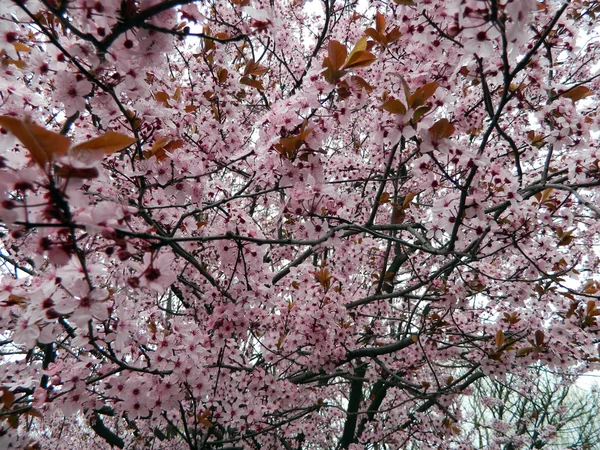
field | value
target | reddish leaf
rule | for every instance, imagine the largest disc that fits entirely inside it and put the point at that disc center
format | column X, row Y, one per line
column 362, row 83
column 360, row 59
column 394, row 106
column 577, row 93
column 442, row 129
column 253, row 83
column 539, row 338
column 499, row 338
column 109, row 143
column 420, row 112
column 162, row 97
column 43, row 145
column 21, row 47
column 375, row 35
column 359, row 56
column 68, row 171
column 337, row 54
column 408, row 198
column 379, row 22
column 7, row 398
column 423, row 94
column 253, row 68
column 222, row 75
column 393, row 35
column 525, row 351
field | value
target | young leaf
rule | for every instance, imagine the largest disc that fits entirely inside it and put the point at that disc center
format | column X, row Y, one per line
column 379, row 22
column 337, row 54
column 577, row 93
column 539, row 338
column 163, row 98
column 442, row 129
column 359, row 56
column 499, row 338
column 109, row 143
column 423, row 94
column 222, row 75
column 253, row 68
column 408, row 198
column 393, row 35
column 43, row 145
column 362, row 59
column 362, row 83
column 394, row 106
column 21, row 47
column 253, row 83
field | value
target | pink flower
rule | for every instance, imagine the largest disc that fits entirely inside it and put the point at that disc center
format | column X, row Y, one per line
column 26, row 333
column 8, row 37
column 83, row 303
column 71, row 92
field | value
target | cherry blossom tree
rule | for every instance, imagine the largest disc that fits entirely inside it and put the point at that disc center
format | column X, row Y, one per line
column 546, row 412
column 241, row 224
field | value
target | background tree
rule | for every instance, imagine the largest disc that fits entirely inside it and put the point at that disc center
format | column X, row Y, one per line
column 241, row 224
column 547, row 412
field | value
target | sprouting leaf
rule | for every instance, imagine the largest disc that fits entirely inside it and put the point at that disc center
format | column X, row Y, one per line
column 499, row 338
column 337, row 54
column 379, row 22
column 109, row 143
column 15, row 62
column 591, row 287
column 21, row 47
column 398, row 215
column 442, row 129
column 394, row 106
column 393, row 35
column 359, row 56
column 423, row 94
column 68, row 171
column 253, row 68
column 7, row 398
column 163, row 98
column 375, row 35
column 420, row 112
column 253, row 83
column 360, row 81
column 512, row 318
column 202, row 418
column 324, row 277
column 288, row 146
column 565, row 237
column 539, row 338
column 525, row 351
column 577, row 93
column 222, row 74
column 378, row 33
column 177, row 94
column 43, row 145
column 161, row 146
column 408, row 198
